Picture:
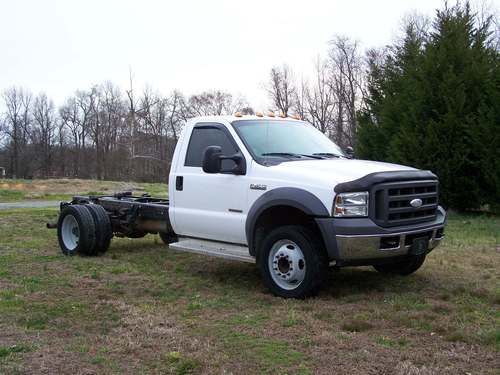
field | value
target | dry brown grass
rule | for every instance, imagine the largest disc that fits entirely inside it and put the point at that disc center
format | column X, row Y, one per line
column 12, row 190
column 144, row 309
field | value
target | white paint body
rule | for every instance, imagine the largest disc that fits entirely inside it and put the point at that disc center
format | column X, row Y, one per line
column 202, row 208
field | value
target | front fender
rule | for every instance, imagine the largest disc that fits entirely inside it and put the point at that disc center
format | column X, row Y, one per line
column 286, row 196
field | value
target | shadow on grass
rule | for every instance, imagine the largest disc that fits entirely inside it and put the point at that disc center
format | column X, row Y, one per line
column 222, row 276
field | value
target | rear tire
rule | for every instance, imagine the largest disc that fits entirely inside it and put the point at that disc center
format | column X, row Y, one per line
column 292, row 262
column 103, row 230
column 76, row 230
column 404, row 267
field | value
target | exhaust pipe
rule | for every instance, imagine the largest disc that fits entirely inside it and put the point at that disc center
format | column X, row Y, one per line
column 51, row 225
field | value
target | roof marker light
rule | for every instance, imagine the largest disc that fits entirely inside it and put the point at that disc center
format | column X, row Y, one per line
column 238, row 114
column 271, row 114
column 259, row 114
column 282, row 115
column 295, row 116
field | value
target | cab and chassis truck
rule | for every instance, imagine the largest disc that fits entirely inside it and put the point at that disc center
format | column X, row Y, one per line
column 275, row 192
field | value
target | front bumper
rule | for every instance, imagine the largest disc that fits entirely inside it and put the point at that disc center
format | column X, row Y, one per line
column 360, row 240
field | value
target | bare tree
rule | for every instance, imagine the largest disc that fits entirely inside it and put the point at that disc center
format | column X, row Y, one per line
column 112, row 119
column 74, row 116
column 93, row 100
column 347, row 72
column 300, row 101
column 281, row 88
column 321, row 101
column 43, row 134
column 152, row 129
column 210, row 103
column 16, row 127
column 176, row 103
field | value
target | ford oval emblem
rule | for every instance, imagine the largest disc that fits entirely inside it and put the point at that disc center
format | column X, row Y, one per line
column 416, row 202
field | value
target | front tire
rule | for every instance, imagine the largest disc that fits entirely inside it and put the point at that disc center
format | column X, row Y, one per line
column 292, row 262
column 404, row 267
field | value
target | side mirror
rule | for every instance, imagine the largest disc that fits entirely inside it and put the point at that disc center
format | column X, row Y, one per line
column 349, row 152
column 212, row 161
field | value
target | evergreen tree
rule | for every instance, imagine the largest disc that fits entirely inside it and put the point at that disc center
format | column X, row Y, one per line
column 434, row 104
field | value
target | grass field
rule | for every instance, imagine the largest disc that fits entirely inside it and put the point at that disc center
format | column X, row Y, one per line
column 144, row 309
column 63, row 189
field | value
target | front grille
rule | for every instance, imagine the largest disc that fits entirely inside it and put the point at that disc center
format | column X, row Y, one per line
column 392, row 202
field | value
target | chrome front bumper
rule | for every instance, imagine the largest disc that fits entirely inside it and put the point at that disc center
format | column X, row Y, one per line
column 353, row 247
column 358, row 239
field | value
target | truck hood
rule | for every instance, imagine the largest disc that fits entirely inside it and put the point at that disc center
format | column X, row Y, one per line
column 333, row 171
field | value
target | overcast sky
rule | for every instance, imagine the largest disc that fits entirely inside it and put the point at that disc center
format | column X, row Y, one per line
column 60, row 46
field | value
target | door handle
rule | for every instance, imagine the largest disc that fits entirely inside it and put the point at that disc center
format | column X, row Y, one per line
column 179, row 183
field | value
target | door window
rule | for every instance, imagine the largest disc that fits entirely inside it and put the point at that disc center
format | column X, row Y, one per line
column 205, row 136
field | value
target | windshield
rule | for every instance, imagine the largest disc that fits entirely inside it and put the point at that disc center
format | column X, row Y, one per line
column 285, row 139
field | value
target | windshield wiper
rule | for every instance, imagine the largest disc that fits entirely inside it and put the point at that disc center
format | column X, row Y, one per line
column 291, row 154
column 314, row 156
column 327, row 154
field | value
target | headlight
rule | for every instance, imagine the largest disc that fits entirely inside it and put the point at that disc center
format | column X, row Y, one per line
column 351, row 204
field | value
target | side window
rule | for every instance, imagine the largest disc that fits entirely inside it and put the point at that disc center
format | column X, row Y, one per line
column 203, row 137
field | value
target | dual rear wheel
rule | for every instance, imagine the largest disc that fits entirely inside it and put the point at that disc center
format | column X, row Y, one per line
column 84, row 229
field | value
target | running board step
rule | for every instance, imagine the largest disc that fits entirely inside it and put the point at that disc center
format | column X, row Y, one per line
column 214, row 249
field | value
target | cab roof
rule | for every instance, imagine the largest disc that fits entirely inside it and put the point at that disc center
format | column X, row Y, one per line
column 231, row 118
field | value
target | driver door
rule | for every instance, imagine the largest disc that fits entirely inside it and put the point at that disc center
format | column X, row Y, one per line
column 210, row 206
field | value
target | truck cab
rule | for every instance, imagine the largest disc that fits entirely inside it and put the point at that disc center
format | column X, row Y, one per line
column 248, row 179
column 277, row 192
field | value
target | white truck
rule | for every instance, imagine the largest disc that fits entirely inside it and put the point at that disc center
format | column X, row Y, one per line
column 276, row 192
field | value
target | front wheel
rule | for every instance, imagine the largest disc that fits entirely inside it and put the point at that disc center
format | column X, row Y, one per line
column 292, row 262
column 403, row 267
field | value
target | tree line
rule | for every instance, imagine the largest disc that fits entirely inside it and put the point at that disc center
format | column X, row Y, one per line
column 102, row 132
column 430, row 99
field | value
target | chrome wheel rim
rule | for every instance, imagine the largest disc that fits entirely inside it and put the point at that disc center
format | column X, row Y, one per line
column 70, row 232
column 287, row 264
